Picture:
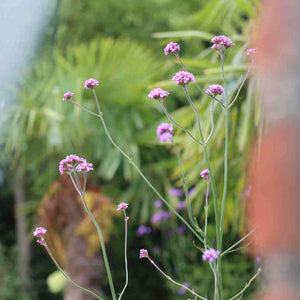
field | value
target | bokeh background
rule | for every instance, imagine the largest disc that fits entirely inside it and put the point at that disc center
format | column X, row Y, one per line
column 52, row 47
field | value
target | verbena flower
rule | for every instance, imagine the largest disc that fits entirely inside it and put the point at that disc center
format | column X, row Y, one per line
column 183, row 78
column 144, row 253
column 73, row 163
column 182, row 290
column 142, row 230
column 181, row 205
column 210, row 255
column 67, row 96
column 205, row 174
column 172, row 48
column 122, row 206
column 251, row 51
column 158, row 94
column 158, row 203
column 39, row 232
column 165, row 132
column 91, row 83
column 176, row 192
column 181, row 229
column 221, row 42
column 160, row 216
column 192, row 191
column 214, row 90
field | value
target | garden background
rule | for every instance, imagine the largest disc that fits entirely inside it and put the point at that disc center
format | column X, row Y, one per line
column 121, row 43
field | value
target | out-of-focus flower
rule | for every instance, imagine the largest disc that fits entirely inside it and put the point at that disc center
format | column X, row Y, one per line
column 144, row 253
column 142, row 230
column 122, row 206
column 160, row 216
column 158, row 94
column 158, row 203
column 67, row 96
column 176, row 192
column 182, row 290
column 210, row 255
column 172, row 48
column 73, row 162
column 205, row 174
column 181, row 204
column 221, row 42
column 183, row 78
column 258, row 259
column 39, row 232
column 251, row 51
column 165, row 132
column 214, row 90
column 91, row 83
column 181, row 229
column 192, row 191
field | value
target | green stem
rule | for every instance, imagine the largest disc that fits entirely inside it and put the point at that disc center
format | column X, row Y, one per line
column 125, row 255
column 67, row 277
column 111, row 284
column 206, row 213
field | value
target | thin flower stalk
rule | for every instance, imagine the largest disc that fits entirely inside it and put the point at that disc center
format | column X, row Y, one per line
column 247, row 285
column 82, row 107
column 211, row 120
column 67, row 277
column 206, row 213
column 173, row 281
column 130, row 160
column 177, row 124
column 125, row 254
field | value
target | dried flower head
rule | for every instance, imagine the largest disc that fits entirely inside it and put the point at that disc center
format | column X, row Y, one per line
column 67, row 96
column 73, row 163
column 91, row 83
column 214, row 90
column 172, row 48
column 158, row 94
column 210, row 255
column 144, row 253
column 221, row 42
column 122, row 206
column 165, row 132
column 205, row 174
column 183, row 78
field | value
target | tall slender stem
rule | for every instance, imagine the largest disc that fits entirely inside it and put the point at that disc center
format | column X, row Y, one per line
column 206, row 212
column 106, row 263
column 67, row 277
column 173, row 281
column 125, row 255
column 211, row 120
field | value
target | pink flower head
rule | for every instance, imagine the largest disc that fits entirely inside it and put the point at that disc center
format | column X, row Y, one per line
column 221, row 42
column 214, row 90
column 67, row 96
column 41, row 241
column 171, row 48
column 91, row 83
column 165, row 132
column 210, row 255
column 161, row 216
column 158, row 94
column 183, row 78
column 39, row 232
column 73, row 163
column 176, row 192
column 205, row 174
column 122, row 206
column 251, row 52
column 144, row 253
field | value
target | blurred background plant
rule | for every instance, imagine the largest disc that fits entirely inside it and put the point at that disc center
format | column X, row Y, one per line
column 120, row 43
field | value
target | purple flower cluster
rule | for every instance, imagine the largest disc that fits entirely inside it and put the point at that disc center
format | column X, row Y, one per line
column 180, row 205
column 158, row 203
column 158, row 94
column 210, row 255
column 176, row 192
column 165, row 132
column 67, row 96
column 183, row 78
column 39, row 232
column 205, row 174
column 160, row 216
column 171, row 48
column 220, row 42
column 91, row 83
column 181, row 229
column 73, row 163
column 214, row 90
column 142, row 230
column 144, row 253
column 251, row 52
column 182, row 290
column 122, row 206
